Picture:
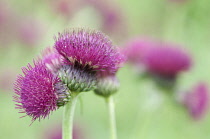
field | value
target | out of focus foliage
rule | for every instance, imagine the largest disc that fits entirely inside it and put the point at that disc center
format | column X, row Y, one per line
column 142, row 109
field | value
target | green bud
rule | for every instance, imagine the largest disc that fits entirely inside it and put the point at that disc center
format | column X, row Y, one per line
column 77, row 79
column 107, row 86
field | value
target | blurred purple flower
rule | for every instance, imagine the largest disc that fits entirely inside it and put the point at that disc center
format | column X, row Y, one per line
column 197, row 100
column 112, row 15
column 136, row 49
column 30, row 31
column 38, row 91
column 112, row 18
column 167, row 61
column 65, row 8
column 89, row 49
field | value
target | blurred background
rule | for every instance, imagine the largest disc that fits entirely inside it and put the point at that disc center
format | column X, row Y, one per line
column 142, row 110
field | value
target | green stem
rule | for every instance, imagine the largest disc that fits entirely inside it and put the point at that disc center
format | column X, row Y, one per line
column 68, row 117
column 111, row 107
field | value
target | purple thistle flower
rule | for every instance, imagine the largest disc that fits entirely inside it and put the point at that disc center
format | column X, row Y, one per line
column 38, row 91
column 197, row 101
column 167, row 61
column 89, row 49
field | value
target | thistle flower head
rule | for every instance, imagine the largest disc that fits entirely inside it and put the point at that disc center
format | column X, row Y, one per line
column 37, row 92
column 90, row 49
column 52, row 59
column 167, row 61
column 77, row 80
column 107, row 85
column 196, row 101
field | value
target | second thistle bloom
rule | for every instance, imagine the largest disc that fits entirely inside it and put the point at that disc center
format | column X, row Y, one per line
column 167, row 61
column 89, row 49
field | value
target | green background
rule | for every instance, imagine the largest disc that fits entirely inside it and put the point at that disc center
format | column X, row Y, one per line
column 142, row 110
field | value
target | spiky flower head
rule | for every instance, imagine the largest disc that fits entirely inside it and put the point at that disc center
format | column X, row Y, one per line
column 53, row 60
column 90, row 49
column 167, row 61
column 77, row 79
column 107, row 85
column 197, row 100
column 38, row 92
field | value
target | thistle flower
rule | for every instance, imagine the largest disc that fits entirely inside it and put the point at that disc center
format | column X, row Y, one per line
column 91, row 50
column 197, row 100
column 107, row 85
column 167, row 62
column 38, row 92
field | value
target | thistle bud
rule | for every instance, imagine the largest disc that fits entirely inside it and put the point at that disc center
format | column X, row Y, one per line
column 107, row 86
column 77, row 80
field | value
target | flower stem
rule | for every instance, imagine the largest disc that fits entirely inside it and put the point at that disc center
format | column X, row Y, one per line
column 68, row 117
column 111, row 107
